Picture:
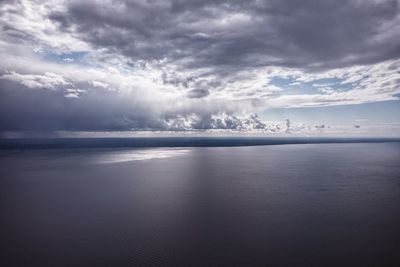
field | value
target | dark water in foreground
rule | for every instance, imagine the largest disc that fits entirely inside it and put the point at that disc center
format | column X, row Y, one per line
column 283, row 205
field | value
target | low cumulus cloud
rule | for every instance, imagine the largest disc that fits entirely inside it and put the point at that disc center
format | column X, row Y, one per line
column 222, row 121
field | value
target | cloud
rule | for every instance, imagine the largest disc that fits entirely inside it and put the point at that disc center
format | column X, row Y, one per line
column 48, row 80
column 228, row 35
column 84, row 98
column 100, row 84
column 221, row 121
column 191, row 65
column 198, row 93
column 74, row 93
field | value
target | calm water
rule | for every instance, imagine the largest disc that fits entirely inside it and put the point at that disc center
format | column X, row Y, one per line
column 296, row 205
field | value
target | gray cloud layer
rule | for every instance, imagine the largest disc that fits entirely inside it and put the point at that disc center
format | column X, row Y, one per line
column 228, row 35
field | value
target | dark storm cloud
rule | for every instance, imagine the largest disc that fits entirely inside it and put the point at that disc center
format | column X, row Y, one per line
column 229, row 35
column 39, row 109
column 22, row 109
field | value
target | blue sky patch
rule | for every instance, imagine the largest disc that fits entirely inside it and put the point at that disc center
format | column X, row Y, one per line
column 292, row 86
column 70, row 57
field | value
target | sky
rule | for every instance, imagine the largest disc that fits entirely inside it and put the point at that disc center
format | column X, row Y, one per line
column 273, row 67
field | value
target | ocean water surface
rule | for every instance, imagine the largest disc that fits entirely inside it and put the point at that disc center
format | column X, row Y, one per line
column 281, row 205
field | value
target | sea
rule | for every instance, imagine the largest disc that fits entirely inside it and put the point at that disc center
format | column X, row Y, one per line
column 200, row 202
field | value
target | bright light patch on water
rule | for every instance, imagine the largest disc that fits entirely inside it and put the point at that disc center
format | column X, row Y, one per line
column 134, row 155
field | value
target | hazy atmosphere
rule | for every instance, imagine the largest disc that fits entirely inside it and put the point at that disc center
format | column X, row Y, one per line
column 268, row 67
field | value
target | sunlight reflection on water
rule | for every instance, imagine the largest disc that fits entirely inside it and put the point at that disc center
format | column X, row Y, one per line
column 134, row 155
